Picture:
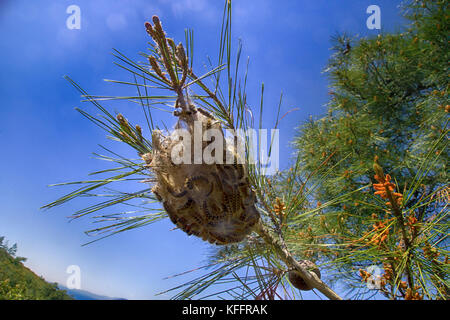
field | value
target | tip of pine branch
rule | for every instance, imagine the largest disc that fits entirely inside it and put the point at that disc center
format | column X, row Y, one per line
column 377, row 168
column 156, row 20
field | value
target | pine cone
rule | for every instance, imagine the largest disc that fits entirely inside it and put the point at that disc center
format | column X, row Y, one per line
column 297, row 281
column 211, row 201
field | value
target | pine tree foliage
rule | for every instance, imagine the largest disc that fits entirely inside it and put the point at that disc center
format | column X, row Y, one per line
column 389, row 101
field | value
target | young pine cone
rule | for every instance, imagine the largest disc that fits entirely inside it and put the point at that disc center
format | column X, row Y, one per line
column 297, row 281
column 211, row 201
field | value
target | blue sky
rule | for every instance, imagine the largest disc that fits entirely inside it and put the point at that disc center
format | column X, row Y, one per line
column 44, row 140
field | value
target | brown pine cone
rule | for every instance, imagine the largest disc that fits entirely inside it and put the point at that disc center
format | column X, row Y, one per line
column 297, row 281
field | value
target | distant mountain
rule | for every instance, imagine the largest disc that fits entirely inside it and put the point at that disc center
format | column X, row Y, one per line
column 85, row 295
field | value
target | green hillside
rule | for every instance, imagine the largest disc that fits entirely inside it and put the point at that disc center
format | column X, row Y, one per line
column 20, row 283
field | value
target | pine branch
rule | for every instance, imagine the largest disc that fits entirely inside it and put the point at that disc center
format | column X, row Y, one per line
column 309, row 277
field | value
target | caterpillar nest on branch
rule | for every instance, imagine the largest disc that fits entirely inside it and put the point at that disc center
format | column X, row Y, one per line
column 211, row 201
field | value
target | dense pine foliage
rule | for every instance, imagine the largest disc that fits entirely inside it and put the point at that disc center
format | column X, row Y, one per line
column 389, row 105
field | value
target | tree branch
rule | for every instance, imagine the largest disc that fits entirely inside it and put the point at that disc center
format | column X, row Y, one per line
column 309, row 277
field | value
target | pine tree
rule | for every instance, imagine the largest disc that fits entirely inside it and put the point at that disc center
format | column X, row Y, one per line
column 389, row 102
column 317, row 222
column 13, row 250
